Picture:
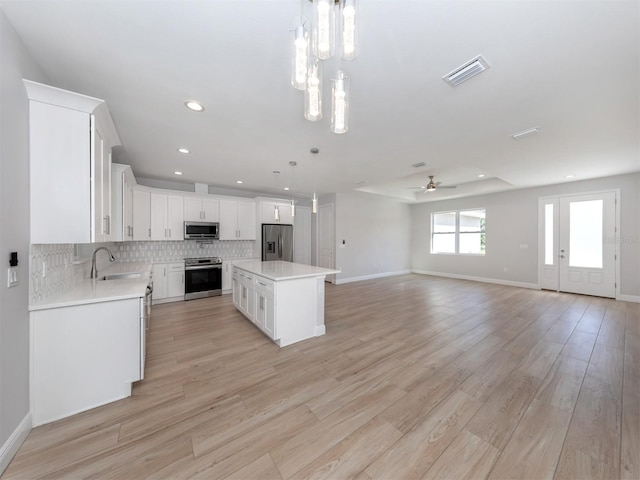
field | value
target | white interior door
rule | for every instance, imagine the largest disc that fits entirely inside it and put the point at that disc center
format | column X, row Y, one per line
column 326, row 238
column 586, row 244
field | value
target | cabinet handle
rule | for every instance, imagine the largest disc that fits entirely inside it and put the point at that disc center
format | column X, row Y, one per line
column 263, row 284
column 169, row 233
column 261, row 300
column 149, row 233
column 108, row 224
column 183, row 278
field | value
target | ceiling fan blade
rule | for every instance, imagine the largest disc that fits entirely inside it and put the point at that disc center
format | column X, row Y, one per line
column 447, row 186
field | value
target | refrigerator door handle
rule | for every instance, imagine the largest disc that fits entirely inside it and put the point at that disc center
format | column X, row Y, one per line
column 280, row 246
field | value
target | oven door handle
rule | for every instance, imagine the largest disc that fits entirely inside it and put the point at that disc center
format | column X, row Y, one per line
column 204, row 267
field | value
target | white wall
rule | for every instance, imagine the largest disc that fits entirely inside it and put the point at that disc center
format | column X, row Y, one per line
column 15, row 64
column 376, row 234
column 512, row 220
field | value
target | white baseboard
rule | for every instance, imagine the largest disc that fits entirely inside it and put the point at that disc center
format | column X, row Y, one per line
column 371, row 277
column 629, row 298
column 13, row 443
column 319, row 330
column 497, row 281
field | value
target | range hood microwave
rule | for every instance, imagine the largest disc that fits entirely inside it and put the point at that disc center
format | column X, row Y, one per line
column 201, row 230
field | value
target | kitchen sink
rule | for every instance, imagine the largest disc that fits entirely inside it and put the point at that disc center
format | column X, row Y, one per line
column 121, row 276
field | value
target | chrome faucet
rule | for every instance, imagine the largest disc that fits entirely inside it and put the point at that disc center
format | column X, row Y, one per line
column 94, row 270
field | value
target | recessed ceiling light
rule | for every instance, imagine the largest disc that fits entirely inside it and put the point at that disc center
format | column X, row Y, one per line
column 526, row 133
column 286, row 189
column 184, row 150
column 239, row 182
column 481, row 175
column 177, row 173
column 570, row 176
column 195, row 106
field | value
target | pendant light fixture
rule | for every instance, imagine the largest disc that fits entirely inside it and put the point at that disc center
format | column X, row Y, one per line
column 324, row 28
column 348, row 29
column 293, row 203
column 314, row 199
column 276, row 210
column 309, row 53
column 313, row 93
column 340, row 104
column 300, row 56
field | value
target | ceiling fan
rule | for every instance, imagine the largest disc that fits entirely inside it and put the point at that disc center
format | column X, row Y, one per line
column 432, row 186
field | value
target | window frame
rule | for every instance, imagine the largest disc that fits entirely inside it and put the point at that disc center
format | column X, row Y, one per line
column 457, row 232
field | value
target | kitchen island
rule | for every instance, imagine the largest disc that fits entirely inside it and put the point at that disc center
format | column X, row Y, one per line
column 284, row 300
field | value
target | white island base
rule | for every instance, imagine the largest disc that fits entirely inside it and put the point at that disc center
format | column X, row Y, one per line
column 283, row 299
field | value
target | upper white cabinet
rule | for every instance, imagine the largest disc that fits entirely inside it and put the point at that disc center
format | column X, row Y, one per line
column 267, row 209
column 237, row 219
column 201, row 209
column 141, row 214
column 122, row 184
column 70, row 141
column 167, row 213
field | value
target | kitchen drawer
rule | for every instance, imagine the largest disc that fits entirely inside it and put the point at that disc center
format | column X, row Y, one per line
column 264, row 283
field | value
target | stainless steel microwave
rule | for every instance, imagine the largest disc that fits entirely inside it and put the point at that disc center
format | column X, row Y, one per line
column 201, row 230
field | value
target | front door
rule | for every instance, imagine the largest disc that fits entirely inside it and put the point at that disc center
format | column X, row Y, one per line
column 577, row 239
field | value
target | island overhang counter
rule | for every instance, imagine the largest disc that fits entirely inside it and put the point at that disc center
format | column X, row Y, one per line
column 285, row 300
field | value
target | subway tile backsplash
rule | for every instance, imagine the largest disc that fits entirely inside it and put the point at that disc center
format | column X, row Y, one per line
column 54, row 268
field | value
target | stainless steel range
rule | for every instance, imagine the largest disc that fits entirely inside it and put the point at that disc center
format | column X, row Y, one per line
column 203, row 277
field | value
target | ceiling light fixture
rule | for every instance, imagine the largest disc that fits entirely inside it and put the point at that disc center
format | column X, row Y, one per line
column 307, row 70
column 526, row 133
column 177, row 173
column 184, row 150
column 195, row 106
column 239, row 182
column 481, row 175
column 570, row 176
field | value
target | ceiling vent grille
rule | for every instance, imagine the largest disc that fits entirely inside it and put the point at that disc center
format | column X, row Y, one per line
column 465, row 72
column 419, row 164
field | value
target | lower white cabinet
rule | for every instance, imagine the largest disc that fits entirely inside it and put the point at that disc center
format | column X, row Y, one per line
column 227, row 270
column 168, row 282
column 84, row 356
column 265, row 314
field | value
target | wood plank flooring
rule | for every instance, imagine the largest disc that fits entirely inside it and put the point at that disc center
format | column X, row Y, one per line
column 417, row 377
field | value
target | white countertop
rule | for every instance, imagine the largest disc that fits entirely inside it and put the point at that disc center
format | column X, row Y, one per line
column 278, row 270
column 95, row 291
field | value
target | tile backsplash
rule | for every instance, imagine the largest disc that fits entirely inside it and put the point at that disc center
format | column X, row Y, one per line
column 54, row 268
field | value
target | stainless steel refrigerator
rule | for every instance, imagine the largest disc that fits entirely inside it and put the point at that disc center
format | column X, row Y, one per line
column 277, row 242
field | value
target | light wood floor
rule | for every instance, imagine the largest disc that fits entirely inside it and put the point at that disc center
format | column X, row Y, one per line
column 417, row 377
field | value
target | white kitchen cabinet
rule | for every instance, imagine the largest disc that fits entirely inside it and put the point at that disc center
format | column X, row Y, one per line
column 266, row 209
column 141, row 214
column 227, row 272
column 201, row 209
column 168, row 282
column 167, row 213
column 84, row 356
column 122, row 185
column 70, row 142
column 246, row 295
column 265, row 315
column 237, row 219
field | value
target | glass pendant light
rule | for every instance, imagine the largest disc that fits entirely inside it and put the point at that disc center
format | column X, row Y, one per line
column 324, row 28
column 276, row 213
column 300, row 57
column 340, row 104
column 293, row 203
column 313, row 93
column 314, row 203
column 348, row 29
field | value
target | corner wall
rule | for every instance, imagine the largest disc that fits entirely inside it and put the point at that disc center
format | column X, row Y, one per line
column 512, row 222
column 15, row 64
column 376, row 236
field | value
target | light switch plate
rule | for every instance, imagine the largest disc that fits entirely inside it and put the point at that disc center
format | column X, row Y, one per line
column 12, row 277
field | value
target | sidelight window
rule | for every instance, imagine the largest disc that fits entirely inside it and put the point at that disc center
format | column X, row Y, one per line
column 458, row 232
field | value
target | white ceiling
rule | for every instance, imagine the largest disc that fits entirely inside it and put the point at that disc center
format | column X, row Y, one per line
column 569, row 67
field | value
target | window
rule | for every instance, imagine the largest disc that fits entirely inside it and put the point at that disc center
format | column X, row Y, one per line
column 461, row 231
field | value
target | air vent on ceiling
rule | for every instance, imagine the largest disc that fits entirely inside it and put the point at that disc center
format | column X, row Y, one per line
column 465, row 72
column 419, row 164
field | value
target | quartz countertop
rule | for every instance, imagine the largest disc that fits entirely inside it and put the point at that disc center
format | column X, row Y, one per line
column 96, row 291
column 278, row 270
